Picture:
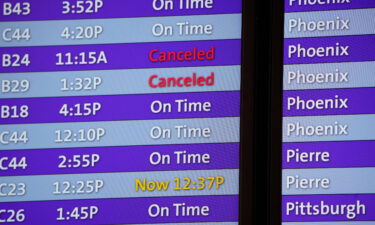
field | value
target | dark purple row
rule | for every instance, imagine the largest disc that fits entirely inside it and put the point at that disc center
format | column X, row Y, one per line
column 120, row 56
column 328, row 208
column 320, row 5
column 329, row 49
column 121, row 107
column 128, row 211
column 329, row 154
column 121, row 159
column 328, row 102
column 53, row 10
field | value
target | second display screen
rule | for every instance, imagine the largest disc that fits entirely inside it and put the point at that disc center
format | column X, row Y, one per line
column 329, row 113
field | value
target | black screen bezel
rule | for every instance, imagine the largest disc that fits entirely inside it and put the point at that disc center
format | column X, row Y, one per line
column 261, row 126
column 275, row 110
column 246, row 204
column 262, row 67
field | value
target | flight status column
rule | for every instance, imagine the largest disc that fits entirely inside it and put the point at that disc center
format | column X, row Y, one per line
column 329, row 113
column 120, row 111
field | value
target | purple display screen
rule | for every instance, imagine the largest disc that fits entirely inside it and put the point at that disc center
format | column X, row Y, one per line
column 120, row 111
column 328, row 149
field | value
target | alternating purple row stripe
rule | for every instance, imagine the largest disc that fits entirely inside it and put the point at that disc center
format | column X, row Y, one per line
column 130, row 211
column 314, row 5
column 329, row 154
column 328, row 208
column 53, row 10
column 329, row 102
column 123, row 159
column 329, row 49
column 122, row 107
column 123, row 56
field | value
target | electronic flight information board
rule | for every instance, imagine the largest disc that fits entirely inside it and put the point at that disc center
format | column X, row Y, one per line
column 329, row 112
column 119, row 111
